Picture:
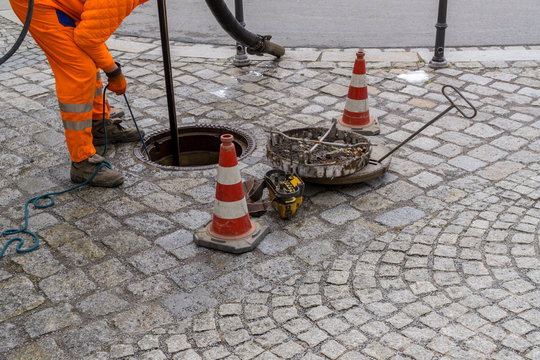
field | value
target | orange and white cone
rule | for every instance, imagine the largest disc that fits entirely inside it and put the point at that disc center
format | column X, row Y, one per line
column 356, row 114
column 231, row 228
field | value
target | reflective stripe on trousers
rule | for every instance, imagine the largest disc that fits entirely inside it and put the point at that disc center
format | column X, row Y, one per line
column 74, row 73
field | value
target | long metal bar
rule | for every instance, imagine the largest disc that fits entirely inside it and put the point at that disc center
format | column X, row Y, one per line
column 438, row 61
column 416, row 133
column 163, row 27
column 452, row 106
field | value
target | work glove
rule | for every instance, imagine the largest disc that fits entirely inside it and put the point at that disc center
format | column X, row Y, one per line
column 117, row 81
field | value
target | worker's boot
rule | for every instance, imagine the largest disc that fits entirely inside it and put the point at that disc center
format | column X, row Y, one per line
column 115, row 132
column 105, row 177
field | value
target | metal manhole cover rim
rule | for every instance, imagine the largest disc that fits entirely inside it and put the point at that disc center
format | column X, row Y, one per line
column 140, row 154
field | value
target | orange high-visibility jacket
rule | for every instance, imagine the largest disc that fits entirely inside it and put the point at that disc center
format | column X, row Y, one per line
column 96, row 21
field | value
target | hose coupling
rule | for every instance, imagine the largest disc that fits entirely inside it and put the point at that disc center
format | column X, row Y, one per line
column 265, row 46
column 258, row 48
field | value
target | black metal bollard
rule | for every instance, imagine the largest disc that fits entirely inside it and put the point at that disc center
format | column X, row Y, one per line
column 241, row 58
column 438, row 61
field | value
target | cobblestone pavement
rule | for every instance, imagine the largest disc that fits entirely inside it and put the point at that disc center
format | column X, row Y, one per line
column 437, row 259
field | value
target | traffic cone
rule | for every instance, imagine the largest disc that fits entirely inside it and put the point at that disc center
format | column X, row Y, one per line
column 356, row 113
column 231, row 228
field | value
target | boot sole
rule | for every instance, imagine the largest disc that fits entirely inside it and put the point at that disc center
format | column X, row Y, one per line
column 78, row 180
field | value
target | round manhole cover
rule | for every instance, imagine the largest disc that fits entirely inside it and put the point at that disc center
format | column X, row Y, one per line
column 199, row 146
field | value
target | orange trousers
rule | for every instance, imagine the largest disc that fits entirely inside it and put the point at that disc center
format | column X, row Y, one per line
column 78, row 82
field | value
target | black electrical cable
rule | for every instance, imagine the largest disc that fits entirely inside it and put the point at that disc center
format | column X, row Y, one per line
column 24, row 31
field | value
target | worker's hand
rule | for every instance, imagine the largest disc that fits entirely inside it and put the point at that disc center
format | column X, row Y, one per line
column 117, row 81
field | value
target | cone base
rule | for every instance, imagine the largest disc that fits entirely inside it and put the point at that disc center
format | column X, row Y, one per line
column 245, row 234
column 236, row 246
column 372, row 128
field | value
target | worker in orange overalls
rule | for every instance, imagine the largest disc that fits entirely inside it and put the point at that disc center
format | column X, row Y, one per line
column 72, row 33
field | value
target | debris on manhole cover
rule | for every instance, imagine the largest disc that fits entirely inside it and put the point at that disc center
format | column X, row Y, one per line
column 318, row 152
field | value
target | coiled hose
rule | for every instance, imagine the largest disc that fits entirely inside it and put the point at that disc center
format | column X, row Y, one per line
column 256, row 44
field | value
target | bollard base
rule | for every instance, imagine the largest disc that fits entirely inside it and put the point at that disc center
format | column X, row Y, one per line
column 236, row 246
column 241, row 60
column 438, row 63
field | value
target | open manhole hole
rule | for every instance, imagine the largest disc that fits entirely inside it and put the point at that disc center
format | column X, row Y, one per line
column 199, row 146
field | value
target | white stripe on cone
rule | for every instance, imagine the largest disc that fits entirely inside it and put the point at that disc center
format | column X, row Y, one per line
column 228, row 175
column 358, row 81
column 230, row 210
column 356, row 106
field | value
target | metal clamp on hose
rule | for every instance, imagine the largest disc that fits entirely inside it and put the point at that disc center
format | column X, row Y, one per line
column 265, row 46
column 255, row 44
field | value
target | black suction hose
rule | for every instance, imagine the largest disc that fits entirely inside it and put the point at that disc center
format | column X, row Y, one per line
column 256, row 44
column 19, row 41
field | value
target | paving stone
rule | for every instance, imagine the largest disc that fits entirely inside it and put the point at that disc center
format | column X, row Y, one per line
column 184, row 304
column 218, row 352
column 377, row 350
column 59, row 235
column 148, row 342
column 284, row 314
column 318, row 312
column 340, row 214
column 124, row 242
column 102, row 303
column 175, row 240
column 44, row 348
column 152, row 287
column 50, row 320
column 11, row 336
column 315, row 252
column 92, row 337
column 141, row 319
column 288, row 350
column 278, row 268
column 41, row 264
column 261, row 326
column 234, row 285
column 192, row 219
column 467, row 163
column 149, row 224
column 154, row 355
column 67, row 285
column 121, row 351
column 400, row 191
column 309, row 229
column 177, row 343
column 204, row 321
column 152, row 261
column 400, row 217
column 187, row 355
column 98, row 224
column 110, row 273
column 333, row 326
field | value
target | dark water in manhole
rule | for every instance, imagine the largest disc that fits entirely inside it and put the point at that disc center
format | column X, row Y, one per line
column 199, row 146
